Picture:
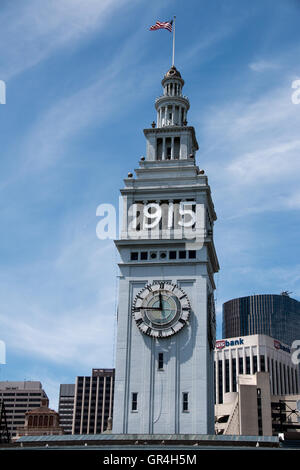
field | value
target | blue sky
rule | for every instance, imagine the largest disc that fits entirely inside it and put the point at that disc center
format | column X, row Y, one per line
column 81, row 79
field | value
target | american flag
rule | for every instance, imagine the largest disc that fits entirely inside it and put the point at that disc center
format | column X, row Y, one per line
column 162, row 25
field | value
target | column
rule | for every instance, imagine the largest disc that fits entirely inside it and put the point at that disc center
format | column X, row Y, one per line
column 258, row 358
column 173, row 115
column 230, row 369
column 144, row 219
column 166, row 110
column 172, row 148
column 110, row 398
column 89, row 406
column 82, row 405
column 96, row 406
column 103, row 404
column 244, row 361
column 217, row 378
column 223, row 374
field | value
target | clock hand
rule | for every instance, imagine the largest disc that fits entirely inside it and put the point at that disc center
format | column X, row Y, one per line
column 150, row 308
column 160, row 301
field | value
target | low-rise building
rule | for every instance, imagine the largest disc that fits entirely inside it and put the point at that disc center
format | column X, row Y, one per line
column 41, row 421
column 252, row 374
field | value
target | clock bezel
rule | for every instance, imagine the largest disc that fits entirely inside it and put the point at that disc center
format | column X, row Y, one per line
column 165, row 330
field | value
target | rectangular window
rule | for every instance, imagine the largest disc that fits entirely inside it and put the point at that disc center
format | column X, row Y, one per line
column 247, row 365
column 254, row 364
column 172, row 254
column 192, row 254
column 185, row 401
column 233, row 375
column 134, row 256
column 259, row 413
column 262, row 363
column 226, row 375
column 159, row 149
column 241, row 368
column 144, row 255
column 134, row 401
column 182, row 254
column 160, row 361
column 220, row 381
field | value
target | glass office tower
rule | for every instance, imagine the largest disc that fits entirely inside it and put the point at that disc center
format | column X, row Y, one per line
column 277, row 316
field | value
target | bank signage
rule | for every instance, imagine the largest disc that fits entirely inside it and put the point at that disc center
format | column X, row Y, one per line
column 278, row 345
column 226, row 343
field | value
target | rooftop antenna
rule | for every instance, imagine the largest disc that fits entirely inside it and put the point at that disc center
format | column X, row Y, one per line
column 286, row 293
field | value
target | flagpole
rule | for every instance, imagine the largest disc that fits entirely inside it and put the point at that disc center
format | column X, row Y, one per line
column 173, row 55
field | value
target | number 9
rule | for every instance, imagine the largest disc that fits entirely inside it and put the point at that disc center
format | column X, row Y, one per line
column 149, row 215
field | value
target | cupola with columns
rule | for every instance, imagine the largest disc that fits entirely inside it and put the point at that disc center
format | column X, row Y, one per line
column 170, row 138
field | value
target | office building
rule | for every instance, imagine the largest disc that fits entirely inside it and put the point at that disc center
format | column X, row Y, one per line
column 20, row 397
column 248, row 355
column 252, row 374
column 93, row 402
column 66, row 406
column 277, row 316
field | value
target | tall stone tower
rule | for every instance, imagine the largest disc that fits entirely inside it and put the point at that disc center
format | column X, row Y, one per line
column 166, row 318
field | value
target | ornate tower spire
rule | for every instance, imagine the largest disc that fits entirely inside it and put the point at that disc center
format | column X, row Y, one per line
column 172, row 107
column 171, row 138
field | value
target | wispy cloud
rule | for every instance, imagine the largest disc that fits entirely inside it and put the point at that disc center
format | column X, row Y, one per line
column 263, row 65
column 256, row 144
column 32, row 31
column 63, row 310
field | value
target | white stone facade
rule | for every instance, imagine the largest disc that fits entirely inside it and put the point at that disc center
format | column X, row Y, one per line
column 175, row 394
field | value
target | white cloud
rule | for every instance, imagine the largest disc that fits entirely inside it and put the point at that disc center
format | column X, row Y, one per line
column 251, row 151
column 270, row 164
column 263, row 65
column 62, row 310
column 31, row 31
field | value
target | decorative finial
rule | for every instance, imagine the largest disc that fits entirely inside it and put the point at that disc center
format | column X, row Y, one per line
column 153, row 124
column 130, row 175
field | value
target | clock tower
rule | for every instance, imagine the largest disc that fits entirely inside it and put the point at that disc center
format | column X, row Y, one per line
column 166, row 319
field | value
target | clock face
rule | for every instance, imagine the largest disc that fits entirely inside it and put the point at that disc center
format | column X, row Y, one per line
column 161, row 309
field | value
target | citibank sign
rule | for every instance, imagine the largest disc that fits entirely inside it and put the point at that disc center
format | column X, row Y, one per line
column 224, row 343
